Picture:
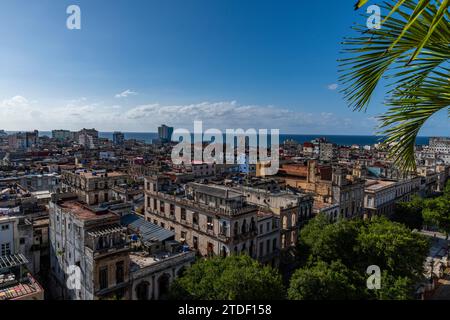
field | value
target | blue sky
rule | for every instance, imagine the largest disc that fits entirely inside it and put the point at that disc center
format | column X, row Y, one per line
column 137, row 64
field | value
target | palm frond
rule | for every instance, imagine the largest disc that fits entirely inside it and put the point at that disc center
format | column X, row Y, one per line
column 410, row 52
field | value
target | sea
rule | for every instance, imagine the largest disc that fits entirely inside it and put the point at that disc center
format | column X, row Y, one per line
column 343, row 140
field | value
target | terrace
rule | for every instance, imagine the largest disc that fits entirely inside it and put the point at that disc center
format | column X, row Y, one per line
column 15, row 282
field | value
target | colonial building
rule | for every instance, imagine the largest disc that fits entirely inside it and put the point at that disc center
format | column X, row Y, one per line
column 92, row 186
column 153, row 270
column 293, row 210
column 214, row 220
column 382, row 195
column 119, row 255
column 15, row 282
column 330, row 185
column 93, row 240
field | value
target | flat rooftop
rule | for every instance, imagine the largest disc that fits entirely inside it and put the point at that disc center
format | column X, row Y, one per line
column 215, row 190
column 375, row 185
column 93, row 174
column 141, row 260
column 82, row 211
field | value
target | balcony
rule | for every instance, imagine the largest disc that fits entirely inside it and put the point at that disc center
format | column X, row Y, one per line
column 224, row 238
column 99, row 253
column 246, row 235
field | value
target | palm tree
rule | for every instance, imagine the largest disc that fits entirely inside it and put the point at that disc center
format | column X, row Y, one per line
column 410, row 52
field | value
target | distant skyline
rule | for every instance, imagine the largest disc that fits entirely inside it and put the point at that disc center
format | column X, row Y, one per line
column 136, row 65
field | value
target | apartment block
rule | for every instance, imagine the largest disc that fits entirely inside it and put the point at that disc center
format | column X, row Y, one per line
column 211, row 219
column 92, row 186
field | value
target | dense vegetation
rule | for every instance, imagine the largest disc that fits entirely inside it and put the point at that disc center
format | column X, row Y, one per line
column 231, row 278
column 335, row 257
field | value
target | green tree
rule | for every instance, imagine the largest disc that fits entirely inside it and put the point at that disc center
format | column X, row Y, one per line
column 328, row 241
column 437, row 212
column 323, row 281
column 231, row 278
column 409, row 213
column 409, row 53
column 393, row 247
column 394, row 288
column 347, row 248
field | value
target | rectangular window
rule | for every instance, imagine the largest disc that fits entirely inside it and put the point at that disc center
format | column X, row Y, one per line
column 103, row 278
column 210, row 249
column 195, row 242
column 210, row 224
column 5, row 227
column 6, row 249
column 161, row 206
column 268, row 246
column 274, row 244
column 119, row 272
column 261, row 249
column 183, row 213
column 195, row 218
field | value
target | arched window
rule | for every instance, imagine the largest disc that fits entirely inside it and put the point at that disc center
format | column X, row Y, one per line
column 285, row 222
column 163, row 285
column 142, row 290
column 236, row 228
column 244, row 226
column 224, row 230
column 253, row 224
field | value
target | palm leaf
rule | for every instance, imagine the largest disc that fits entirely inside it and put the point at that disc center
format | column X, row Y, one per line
column 410, row 53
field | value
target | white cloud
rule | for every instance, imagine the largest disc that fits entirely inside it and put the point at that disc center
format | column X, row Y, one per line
column 16, row 101
column 125, row 94
column 230, row 114
column 333, row 86
column 83, row 113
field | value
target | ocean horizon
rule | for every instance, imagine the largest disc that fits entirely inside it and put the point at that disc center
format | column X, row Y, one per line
column 344, row 140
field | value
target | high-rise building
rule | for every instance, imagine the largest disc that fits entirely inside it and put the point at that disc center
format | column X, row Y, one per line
column 62, row 135
column 165, row 133
column 23, row 140
column 88, row 138
column 118, row 138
